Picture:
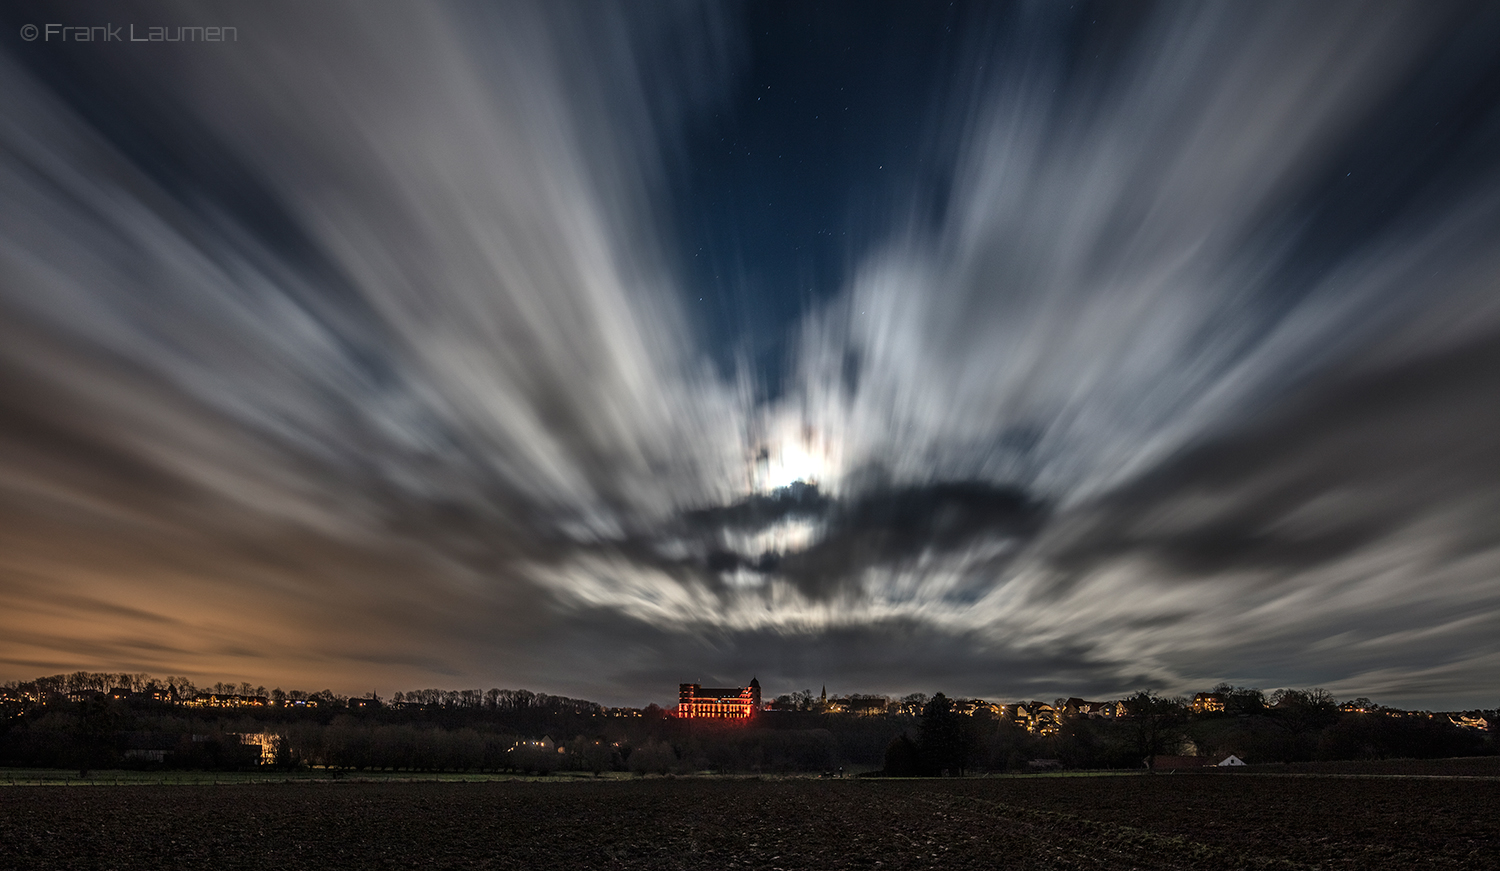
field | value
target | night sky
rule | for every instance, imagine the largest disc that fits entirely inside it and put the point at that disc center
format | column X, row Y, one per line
column 1012, row 351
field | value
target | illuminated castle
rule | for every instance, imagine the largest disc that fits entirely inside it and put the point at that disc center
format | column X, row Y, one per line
column 696, row 702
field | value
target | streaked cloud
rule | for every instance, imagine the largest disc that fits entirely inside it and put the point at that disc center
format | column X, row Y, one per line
column 360, row 350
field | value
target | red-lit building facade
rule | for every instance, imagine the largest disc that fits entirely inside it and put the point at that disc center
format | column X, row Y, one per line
column 695, row 702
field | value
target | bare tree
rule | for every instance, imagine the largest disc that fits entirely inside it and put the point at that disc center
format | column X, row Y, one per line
column 1158, row 723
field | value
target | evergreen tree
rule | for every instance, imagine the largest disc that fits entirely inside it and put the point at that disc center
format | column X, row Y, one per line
column 944, row 738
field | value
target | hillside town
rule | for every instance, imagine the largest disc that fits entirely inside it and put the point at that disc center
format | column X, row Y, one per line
column 1036, row 717
column 1041, row 718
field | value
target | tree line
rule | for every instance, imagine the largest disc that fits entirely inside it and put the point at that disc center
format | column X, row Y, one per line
column 504, row 730
column 181, row 688
column 1289, row 726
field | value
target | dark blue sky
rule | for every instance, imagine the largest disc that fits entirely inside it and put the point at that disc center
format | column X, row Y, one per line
column 835, row 118
column 1006, row 350
column 832, row 121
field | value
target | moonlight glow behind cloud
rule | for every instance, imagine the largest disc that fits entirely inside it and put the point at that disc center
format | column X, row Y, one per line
column 1001, row 351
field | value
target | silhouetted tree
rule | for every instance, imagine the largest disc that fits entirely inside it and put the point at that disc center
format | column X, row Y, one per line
column 281, row 754
column 902, row 758
column 95, row 744
column 586, row 754
column 1157, row 722
column 1240, row 701
column 913, row 701
column 653, row 757
column 943, row 738
column 1302, row 714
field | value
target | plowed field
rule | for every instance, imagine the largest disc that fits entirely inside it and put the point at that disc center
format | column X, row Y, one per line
column 1189, row 822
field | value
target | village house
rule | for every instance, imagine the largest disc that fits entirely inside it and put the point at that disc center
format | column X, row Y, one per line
column 1207, row 703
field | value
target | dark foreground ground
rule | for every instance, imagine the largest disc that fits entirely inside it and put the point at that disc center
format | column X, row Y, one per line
column 1187, row 822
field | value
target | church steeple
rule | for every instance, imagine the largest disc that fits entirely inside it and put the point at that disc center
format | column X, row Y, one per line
column 824, row 696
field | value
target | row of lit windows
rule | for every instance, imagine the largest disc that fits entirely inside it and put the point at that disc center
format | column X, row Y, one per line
column 715, row 709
